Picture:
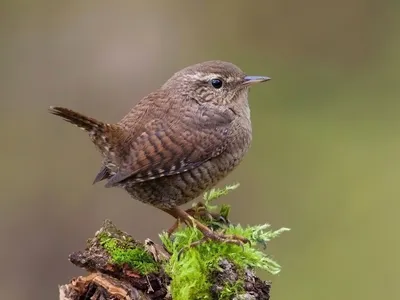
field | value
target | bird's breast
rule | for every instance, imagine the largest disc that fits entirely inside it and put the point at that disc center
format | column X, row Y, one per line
column 240, row 137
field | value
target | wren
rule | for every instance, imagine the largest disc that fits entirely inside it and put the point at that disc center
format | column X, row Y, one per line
column 179, row 140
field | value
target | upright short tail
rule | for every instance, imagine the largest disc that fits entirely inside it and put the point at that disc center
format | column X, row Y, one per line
column 104, row 136
column 86, row 123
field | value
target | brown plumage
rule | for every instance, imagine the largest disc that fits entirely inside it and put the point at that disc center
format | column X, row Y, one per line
column 178, row 141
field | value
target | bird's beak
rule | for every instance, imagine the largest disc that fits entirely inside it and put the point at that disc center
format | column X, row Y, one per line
column 250, row 80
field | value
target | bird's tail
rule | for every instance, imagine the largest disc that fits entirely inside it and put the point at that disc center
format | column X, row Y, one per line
column 103, row 135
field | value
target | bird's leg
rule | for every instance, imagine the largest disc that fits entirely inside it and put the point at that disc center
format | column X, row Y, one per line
column 199, row 212
column 184, row 216
column 174, row 227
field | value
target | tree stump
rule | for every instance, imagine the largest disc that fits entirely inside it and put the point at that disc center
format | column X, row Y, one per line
column 122, row 268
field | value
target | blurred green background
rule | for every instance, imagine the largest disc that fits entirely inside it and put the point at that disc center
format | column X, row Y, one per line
column 324, row 160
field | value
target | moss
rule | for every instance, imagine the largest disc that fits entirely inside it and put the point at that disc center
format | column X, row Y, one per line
column 190, row 271
column 126, row 251
column 231, row 289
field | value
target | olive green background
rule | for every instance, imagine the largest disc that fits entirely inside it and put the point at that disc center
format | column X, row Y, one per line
column 325, row 154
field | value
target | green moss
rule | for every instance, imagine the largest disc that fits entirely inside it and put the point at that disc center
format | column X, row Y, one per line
column 127, row 252
column 190, row 271
column 231, row 289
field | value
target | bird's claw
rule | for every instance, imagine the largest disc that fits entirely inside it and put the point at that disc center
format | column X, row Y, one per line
column 199, row 212
column 217, row 237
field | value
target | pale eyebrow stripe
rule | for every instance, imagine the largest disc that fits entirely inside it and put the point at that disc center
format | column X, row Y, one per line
column 209, row 76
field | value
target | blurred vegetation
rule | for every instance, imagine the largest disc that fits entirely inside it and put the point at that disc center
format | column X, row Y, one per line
column 326, row 131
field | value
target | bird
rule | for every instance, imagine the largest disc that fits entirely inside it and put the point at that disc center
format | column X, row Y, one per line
column 178, row 141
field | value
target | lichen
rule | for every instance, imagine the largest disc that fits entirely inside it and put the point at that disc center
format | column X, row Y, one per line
column 192, row 267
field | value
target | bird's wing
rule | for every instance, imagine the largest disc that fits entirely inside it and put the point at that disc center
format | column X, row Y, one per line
column 167, row 148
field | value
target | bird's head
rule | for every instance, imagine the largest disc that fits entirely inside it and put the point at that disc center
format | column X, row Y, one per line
column 214, row 82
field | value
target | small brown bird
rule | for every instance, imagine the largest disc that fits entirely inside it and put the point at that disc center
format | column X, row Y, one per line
column 178, row 141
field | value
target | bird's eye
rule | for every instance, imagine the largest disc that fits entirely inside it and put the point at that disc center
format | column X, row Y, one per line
column 216, row 83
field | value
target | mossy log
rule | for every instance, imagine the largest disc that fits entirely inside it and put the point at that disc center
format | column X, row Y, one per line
column 122, row 268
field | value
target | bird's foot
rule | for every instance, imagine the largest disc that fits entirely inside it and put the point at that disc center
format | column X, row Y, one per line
column 199, row 212
column 210, row 235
